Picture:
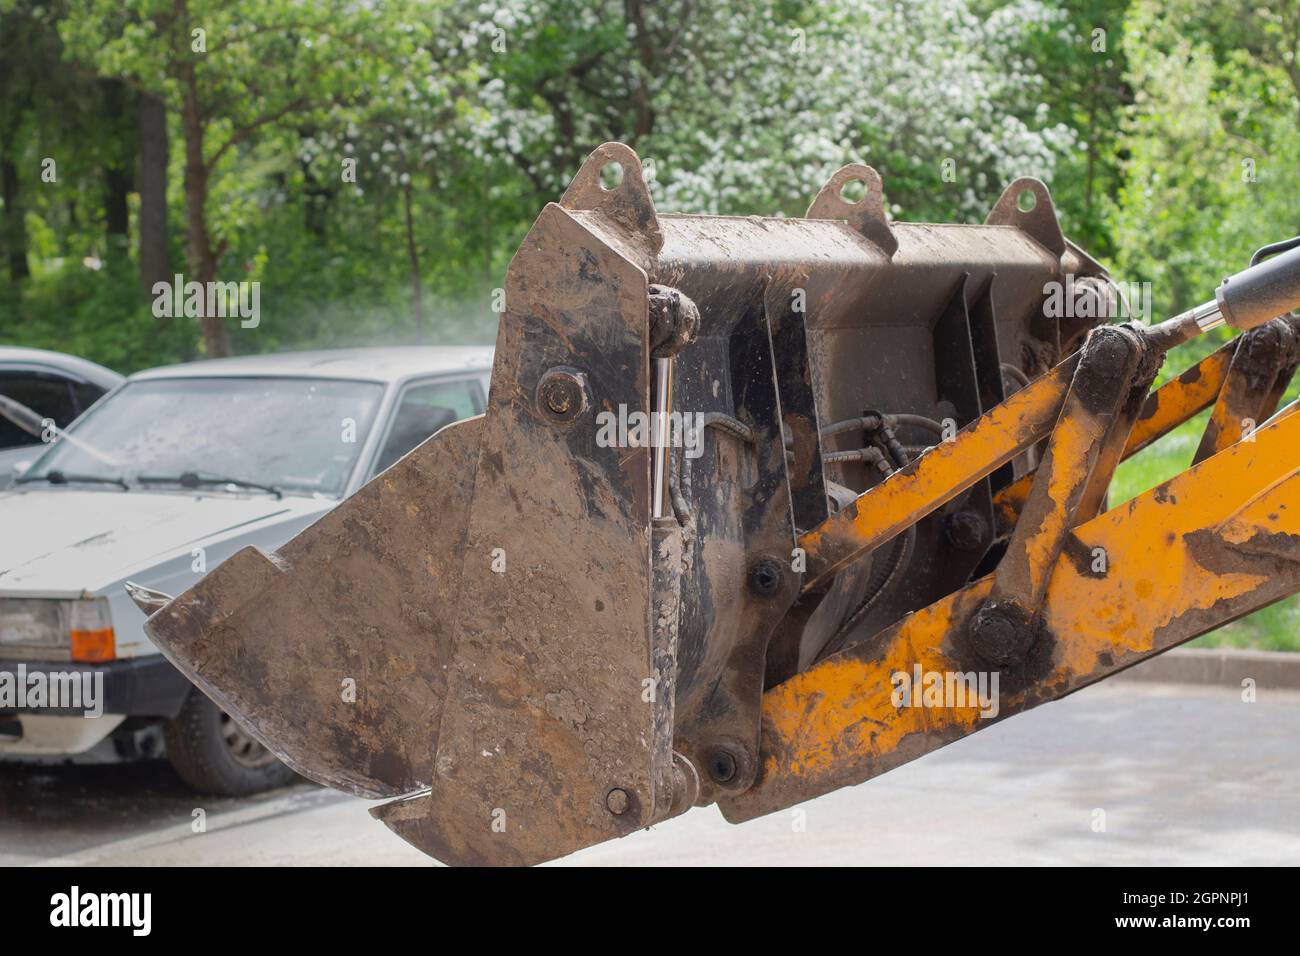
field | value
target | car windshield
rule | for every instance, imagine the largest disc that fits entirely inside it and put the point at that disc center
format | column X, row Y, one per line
column 291, row 435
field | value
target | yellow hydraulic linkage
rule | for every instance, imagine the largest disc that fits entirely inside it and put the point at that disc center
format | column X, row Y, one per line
column 744, row 491
column 1093, row 406
column 1212, row 544
column 1256, row 366
column 1173, row 404
column 1066, row 606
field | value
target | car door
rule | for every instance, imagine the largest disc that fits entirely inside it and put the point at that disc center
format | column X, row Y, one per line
column 49, row 394
column 422, row 408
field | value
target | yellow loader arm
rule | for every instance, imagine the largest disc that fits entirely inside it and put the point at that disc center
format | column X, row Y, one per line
column 759, row 508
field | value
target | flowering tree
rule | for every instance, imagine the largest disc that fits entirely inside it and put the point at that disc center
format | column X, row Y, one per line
column 748, row 107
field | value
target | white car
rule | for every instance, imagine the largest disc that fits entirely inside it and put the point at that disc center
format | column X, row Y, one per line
column 167, row 476
column 57, row 387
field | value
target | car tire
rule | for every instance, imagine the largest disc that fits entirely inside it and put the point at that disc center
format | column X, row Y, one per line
column 216, row 756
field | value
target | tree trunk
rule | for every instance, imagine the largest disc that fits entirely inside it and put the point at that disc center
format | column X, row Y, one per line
column 117, row 214
column 116, row 171
column 414, row 256
column 155, row 265
column 199, row 254
column 15, row 226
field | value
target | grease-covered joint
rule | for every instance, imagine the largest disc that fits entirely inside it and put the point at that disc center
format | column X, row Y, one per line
column 1103, row 295
column 1148, row 367
column 1096, row 296
column 1108, row 364
column 1003, row 633
column 1290, row 325
column 1289, row 331
column 674, row 321
column 1262, row 351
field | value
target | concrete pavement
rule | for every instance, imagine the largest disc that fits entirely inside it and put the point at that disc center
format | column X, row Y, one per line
column 1176, row 774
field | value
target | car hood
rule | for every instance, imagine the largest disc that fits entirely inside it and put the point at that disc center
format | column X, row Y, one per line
column 60, row 543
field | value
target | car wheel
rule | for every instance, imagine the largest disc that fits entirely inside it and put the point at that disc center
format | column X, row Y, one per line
column 213, row 754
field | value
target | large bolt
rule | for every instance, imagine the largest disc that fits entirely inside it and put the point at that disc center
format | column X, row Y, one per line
column 1105, row 302
column 1002, row 635
column 562, row 393
column 766, row 577
column 617, row 801
column 722, row 766
column 966, row 530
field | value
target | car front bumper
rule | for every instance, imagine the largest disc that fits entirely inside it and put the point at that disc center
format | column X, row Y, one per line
column 147, row 686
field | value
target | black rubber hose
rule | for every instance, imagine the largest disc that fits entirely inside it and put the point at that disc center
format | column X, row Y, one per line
column 730, row 425
column 681, row 508
column 915, row 421
column 1016, row 374
column 876, row 587
column 866, row 423
column 1273, row 249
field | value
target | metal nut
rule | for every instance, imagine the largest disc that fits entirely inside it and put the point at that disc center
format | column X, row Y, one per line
column 966, row 530
column 1002, row 635
column 722, row 766
column 617, row 801
column 562, row 394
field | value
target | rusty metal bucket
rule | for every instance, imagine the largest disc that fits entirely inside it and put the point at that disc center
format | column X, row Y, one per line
column 553, row 624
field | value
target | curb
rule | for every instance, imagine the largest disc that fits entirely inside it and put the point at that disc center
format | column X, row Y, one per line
column 1224, row 667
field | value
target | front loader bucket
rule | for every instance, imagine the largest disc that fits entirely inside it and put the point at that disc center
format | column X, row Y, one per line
column 555, row 624
column 334, row 651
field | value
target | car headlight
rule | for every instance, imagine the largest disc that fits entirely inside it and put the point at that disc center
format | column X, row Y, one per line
column 78, row 630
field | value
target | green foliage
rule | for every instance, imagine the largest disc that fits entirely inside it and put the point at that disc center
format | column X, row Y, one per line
column 1081, row 56
column 352, row 157
column 471, row 117
column 1140, row 113
column 1211, row 141
column 58, row 310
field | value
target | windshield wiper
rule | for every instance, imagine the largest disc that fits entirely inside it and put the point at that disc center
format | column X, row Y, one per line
column 192, row 479
column 56, row 477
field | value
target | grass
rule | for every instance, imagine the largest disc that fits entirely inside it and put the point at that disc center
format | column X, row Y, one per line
column 1274, row 628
